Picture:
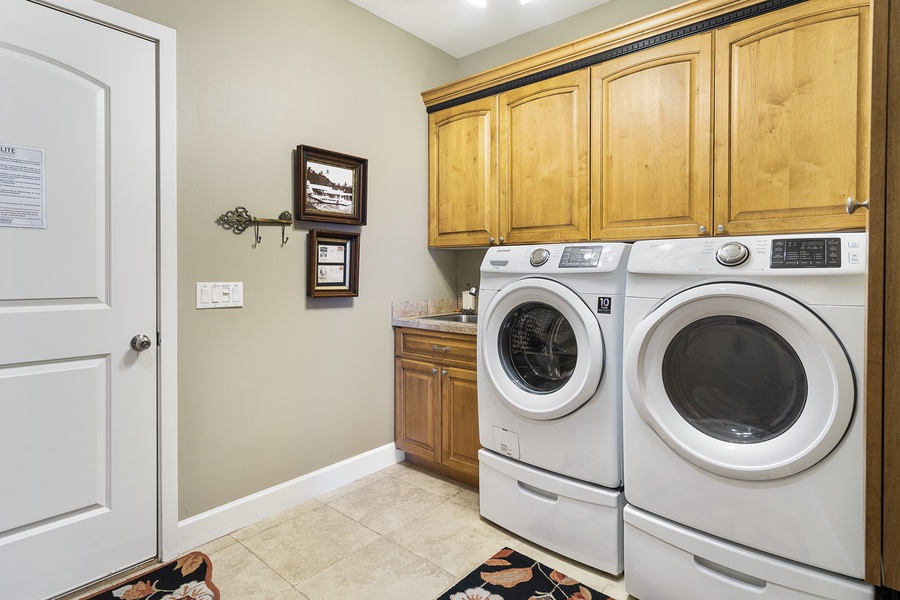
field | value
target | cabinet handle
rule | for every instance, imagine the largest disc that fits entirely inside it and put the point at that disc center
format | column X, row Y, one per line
column 703, row 229
column 502, row 239
column 720, row 229
column 491, row 240
column 434, row 369
column 437, row 348
column 444, row 372
column 852, row 205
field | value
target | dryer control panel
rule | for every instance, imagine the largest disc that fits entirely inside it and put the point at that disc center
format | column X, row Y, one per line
column 809, row 253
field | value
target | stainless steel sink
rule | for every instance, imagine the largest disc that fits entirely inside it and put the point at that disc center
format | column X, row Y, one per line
column 454, row 318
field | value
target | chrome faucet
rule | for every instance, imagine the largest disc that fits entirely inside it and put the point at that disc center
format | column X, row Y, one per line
column 470, row 295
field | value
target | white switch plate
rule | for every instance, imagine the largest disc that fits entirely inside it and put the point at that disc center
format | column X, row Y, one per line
column 220, row 294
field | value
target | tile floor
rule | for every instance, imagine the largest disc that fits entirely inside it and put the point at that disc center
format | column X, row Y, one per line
column 399, row 533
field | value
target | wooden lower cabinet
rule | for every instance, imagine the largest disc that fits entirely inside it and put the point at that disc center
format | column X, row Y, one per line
column 436, row 402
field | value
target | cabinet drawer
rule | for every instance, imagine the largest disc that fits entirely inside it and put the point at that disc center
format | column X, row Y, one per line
column 443, row 347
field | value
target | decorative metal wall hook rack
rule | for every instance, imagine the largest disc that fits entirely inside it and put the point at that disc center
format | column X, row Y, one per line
column 239, row 220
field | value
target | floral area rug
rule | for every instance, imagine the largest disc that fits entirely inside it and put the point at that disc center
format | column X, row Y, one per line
column 509, row 575
column 187, row 578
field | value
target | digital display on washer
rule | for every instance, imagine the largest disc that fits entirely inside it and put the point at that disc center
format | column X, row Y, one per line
column 580, row 257
column 806, row 253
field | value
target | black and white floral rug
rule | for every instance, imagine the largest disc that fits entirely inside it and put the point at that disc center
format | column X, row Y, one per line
column 509, row 575
column 187, row 578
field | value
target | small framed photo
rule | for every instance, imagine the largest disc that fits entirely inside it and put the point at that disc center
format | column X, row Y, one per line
column 333, row 264
column 331, row 187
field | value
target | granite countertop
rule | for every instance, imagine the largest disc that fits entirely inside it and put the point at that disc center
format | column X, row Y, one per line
column 415, row 313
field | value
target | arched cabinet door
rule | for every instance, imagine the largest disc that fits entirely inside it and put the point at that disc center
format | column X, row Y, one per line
column 792, row 109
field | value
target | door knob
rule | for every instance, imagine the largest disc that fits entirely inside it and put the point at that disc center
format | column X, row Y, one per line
column 141, row 342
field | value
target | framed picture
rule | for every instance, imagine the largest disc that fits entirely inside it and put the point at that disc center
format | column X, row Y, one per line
column 331, row 187
column 332, row 264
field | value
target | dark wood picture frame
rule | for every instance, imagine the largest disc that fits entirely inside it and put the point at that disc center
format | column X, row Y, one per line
column 332, row 269
column 330, row 186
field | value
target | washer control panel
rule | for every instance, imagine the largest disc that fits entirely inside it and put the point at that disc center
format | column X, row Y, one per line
column 809, row 253
column 580, row 257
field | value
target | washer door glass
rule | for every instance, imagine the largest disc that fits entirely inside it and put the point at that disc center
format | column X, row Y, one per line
column 538, row 347
column 734, row 379
column 740, row 380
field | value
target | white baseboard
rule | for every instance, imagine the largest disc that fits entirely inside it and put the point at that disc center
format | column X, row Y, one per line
column 205, row 527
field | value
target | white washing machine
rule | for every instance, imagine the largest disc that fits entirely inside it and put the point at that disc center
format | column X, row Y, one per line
column 743, row 413
column 549, row 396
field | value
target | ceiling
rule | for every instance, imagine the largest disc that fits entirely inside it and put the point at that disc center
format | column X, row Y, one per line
column 461, row 27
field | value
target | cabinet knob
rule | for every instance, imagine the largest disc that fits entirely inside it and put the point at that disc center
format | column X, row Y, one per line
column 434, row 369
column 852, row 205
column 491, row 240
column 502, row 239
column 444, row 372
column 703, row 229
column 720, row 229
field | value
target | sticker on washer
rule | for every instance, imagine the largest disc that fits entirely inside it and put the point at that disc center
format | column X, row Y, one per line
column 604, row 305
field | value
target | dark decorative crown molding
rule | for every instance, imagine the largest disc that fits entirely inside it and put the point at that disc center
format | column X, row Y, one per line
column 595, row 59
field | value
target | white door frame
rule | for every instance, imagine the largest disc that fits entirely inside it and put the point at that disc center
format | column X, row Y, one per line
column 167, row 253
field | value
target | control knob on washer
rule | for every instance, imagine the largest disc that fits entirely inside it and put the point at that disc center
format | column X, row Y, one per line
column 539, row 256
column 732, row 254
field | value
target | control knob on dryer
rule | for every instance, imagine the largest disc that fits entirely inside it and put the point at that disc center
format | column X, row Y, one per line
column 539, row 256
column 732, row 254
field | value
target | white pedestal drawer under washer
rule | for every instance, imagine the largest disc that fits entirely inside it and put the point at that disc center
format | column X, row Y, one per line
column 743, row 399
column 550, row 391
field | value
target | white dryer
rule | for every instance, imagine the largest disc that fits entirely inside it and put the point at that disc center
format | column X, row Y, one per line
column 743, row 414
column 549, row 396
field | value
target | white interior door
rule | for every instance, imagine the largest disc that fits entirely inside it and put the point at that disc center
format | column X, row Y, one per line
column 78, row 405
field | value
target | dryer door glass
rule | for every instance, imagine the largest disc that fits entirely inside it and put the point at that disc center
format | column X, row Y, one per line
column 734, row 379
column 538, row 347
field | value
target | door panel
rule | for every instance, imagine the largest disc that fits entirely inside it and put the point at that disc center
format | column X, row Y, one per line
column 418, row 427
column 651, row 157
column 459, row 421
column 544, row 161
column 73, row 457
column 78, row 406
column 463, row 179
column 792, row 119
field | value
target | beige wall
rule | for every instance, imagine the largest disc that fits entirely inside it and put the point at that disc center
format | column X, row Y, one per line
column 581, row 25
column 287, row 385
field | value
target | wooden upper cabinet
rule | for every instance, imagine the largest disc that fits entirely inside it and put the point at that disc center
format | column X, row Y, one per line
column 463, row 175
column 652, row 142
column 792, row 119
column 544, row 162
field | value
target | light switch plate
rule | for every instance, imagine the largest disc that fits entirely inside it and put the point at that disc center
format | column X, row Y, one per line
column 218, row 294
